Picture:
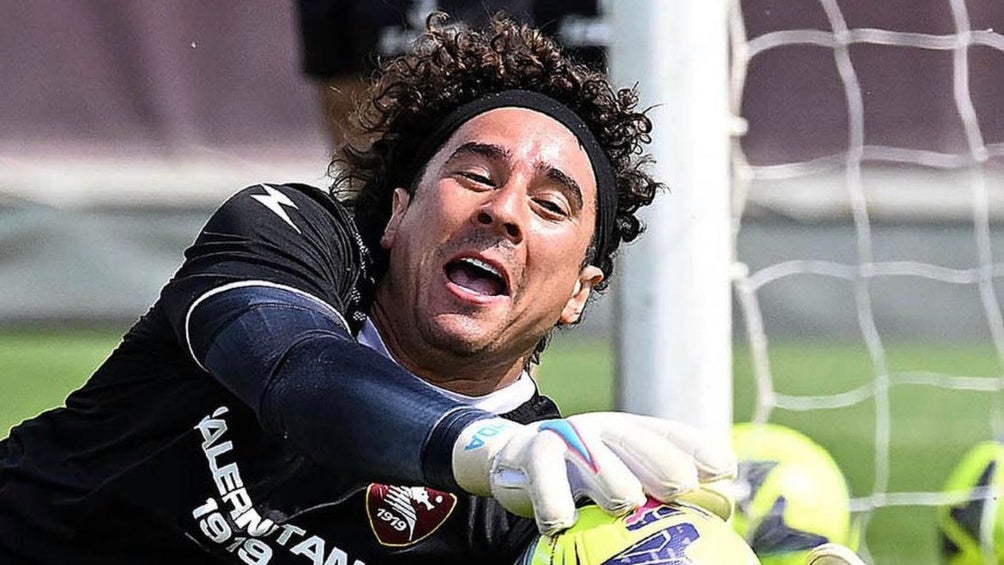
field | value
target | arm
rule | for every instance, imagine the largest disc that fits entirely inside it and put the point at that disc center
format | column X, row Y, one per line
column 292, row 360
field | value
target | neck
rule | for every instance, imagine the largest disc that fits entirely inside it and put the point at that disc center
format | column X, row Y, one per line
column 470, row 374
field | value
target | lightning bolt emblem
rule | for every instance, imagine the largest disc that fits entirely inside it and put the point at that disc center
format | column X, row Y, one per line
column 274, row 201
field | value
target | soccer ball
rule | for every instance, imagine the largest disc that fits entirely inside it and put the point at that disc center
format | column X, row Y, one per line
column 972, row 532
column 790, row 494
column 655, row 534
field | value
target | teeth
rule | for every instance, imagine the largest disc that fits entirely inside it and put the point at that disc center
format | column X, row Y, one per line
column 482, row 265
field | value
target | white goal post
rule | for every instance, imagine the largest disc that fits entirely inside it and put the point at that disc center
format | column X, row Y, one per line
column 674, row 326
column 867, row 199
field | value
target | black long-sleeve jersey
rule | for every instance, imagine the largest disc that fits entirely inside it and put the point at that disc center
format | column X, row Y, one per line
column 195, row 443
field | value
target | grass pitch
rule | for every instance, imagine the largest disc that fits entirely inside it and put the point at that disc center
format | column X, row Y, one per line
column 930, row 428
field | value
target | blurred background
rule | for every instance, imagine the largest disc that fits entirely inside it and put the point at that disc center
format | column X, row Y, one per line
column 867, row 201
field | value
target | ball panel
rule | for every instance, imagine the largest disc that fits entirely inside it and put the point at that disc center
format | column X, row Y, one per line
column 657, row 534
column 791, row 496
column 973, row 530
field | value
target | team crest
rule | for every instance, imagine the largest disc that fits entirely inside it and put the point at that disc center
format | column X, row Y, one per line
column 401, row 516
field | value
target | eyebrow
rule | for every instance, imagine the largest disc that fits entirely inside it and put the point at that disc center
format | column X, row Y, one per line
column 562, row 178
column 499, row 153
column 492, row 151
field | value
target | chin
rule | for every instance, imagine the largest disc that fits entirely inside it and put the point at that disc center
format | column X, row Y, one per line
column 463, row 337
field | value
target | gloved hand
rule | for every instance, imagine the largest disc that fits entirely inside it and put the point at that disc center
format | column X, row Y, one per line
column 613, row 458
column 832, row 554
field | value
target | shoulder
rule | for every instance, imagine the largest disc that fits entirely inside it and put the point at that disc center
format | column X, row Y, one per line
column 293, row 235
column 290, row 212
column 286, row 202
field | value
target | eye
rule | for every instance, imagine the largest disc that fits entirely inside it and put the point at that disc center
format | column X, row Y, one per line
column 476, row 179
column 552, row 207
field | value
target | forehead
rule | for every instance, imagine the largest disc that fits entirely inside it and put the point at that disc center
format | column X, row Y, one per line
column 531, row 138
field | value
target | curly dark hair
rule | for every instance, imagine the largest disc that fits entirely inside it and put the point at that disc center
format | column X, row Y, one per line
column 450, row 66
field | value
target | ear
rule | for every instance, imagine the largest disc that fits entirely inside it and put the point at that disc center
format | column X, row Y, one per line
column 398, row 207
column 589, row 277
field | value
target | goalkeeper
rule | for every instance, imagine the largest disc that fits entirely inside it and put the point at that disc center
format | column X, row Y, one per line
column 340, row 379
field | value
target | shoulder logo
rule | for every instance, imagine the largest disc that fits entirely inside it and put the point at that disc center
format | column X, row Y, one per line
column 402, row 516
column 274, row 201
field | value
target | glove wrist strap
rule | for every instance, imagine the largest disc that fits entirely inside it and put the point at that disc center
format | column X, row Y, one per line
column 474, row 450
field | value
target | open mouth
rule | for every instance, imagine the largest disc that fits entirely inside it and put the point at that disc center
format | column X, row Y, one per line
column 476, row 276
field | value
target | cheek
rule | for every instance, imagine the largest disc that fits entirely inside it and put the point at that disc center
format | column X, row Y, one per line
column 428, row 221
column 445, row 209
column 559, row 257
column 429, row 225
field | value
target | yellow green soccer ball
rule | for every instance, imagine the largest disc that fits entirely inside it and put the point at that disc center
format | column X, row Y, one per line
column 790, row 494
column 656, row 534
column 972, row 531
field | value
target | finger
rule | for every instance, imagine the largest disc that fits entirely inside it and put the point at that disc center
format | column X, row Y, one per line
column 832, row 554
column 715, row 497
column 510, row 487
column 609, row 484
column 664, row 470
column 547, row 484
column 713, row 459
column 594, row 470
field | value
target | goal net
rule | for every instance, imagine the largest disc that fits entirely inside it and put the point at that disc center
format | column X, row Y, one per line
column 868, row 200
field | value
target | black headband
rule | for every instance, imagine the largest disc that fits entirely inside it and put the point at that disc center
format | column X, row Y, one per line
column 606, row 189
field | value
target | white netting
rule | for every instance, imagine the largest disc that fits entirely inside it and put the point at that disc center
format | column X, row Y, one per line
column 975, row 191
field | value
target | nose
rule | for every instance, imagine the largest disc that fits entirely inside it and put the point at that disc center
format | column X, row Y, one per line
column 504, row 212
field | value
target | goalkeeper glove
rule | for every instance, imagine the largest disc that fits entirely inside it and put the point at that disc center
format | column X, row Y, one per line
column 615, row 459
column 832, row 554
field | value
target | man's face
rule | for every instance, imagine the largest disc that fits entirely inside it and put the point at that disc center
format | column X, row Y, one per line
column 488, row 254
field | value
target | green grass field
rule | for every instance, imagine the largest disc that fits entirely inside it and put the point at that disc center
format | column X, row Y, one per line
column 931, row 428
